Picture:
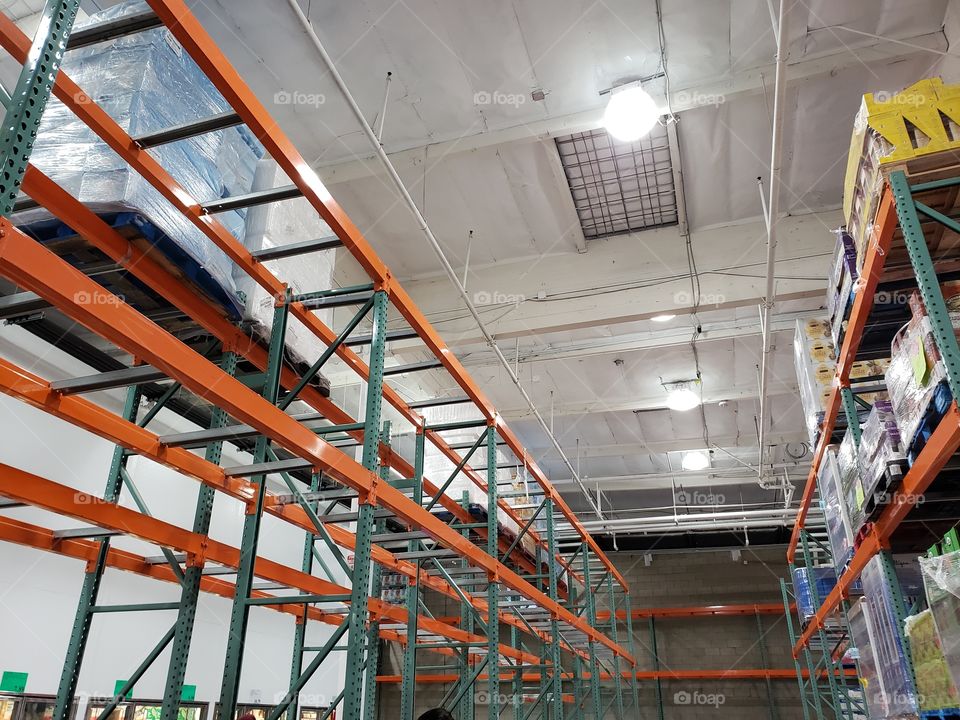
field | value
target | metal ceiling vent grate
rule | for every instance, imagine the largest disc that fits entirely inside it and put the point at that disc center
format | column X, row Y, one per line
column 619, row 187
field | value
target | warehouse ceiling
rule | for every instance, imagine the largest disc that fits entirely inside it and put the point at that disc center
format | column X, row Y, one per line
column 483, row 99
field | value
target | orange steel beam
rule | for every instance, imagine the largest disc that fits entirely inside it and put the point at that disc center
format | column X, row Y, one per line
column 939, row 449
column 17, row 44
column 697, row 611
column 83, row 413
column 877, row 251
column 42, row 493
column 772, row 674
column 35, row 268
column 145, row 268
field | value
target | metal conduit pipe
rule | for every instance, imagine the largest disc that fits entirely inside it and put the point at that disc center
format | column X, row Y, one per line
column 428, row 233
column 692, row 517
column 708, row 525
column 772, row 210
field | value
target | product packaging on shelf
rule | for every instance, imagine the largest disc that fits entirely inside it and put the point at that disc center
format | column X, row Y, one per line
column 814, row 357
column 916, row 369
column 892, row 129
column 881, row 454
column 851, row 489
column 941, row 580
column 839, row 529
column 133, row 79
column 893, row 666
column 867, row 660
column 843, row 276
column 935, row 687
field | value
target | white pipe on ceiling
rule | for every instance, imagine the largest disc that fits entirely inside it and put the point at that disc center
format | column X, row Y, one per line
column 432, row 240
column 773, row 210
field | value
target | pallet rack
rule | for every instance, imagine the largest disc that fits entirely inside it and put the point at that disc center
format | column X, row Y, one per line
column 464, row 560
column 914, row 210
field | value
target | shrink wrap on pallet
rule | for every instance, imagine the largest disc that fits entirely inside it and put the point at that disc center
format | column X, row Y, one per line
column 814, row 358
column 840, row 284
column 146, row 82
column 892, row 664
column 850, row 486
column 935, row 687
column 881, row 454
column 916, row 369
column 834, row 504
column 941, row 581
column 867, row 661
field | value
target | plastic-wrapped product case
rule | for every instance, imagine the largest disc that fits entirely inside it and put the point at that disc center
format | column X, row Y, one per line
column 881, row 455
column 843, row 276
column 867, row 661
column 892, row 664
column 916, row 370
column 834, row 504
column 814, row 358
column 147, row 82
column 851, row 488
column 941, row 580
column 935, row 687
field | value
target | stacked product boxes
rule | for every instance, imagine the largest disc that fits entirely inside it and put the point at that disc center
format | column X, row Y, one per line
column 840, row 285
column 880, row 457
column 816, row 364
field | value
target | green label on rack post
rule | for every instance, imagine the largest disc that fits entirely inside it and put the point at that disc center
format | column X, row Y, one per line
column 14, row 682
column 118, row 686
column 189, row 693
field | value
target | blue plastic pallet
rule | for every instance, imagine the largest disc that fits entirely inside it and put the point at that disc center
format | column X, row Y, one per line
column 939, row 404
column 941, row 714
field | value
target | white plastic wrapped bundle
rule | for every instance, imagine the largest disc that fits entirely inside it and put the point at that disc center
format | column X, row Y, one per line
column 146, row 82
column 835, row 508
column 881, row 450
column 915, row 371
column 274, row 225
column 816, row 366
column 941, row 580
column 850, row 486
column 869, row 681
column 893, row 665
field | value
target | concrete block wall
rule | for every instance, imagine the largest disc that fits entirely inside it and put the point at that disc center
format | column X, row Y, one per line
column 674, row 579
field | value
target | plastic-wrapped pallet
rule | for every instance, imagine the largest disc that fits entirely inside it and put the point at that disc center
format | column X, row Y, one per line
column 941, row 580
column 851, row 488
column 881, row 455
column 805, row 581
column 866, row 660
column 935, row 687
column 275, row 225
column 843, row 276
column 893, row 665
column 133, row 78
column 890, row 129
column 814, row 357
column 834, row 504
column 916, row 369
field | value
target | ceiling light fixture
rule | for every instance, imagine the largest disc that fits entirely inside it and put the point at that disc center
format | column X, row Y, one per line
column 663, row 318
column 696, row 460
column 631, row 113
column 681, row 397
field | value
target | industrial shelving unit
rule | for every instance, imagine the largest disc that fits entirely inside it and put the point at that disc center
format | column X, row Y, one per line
column 557, row 654
column 914, row 208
